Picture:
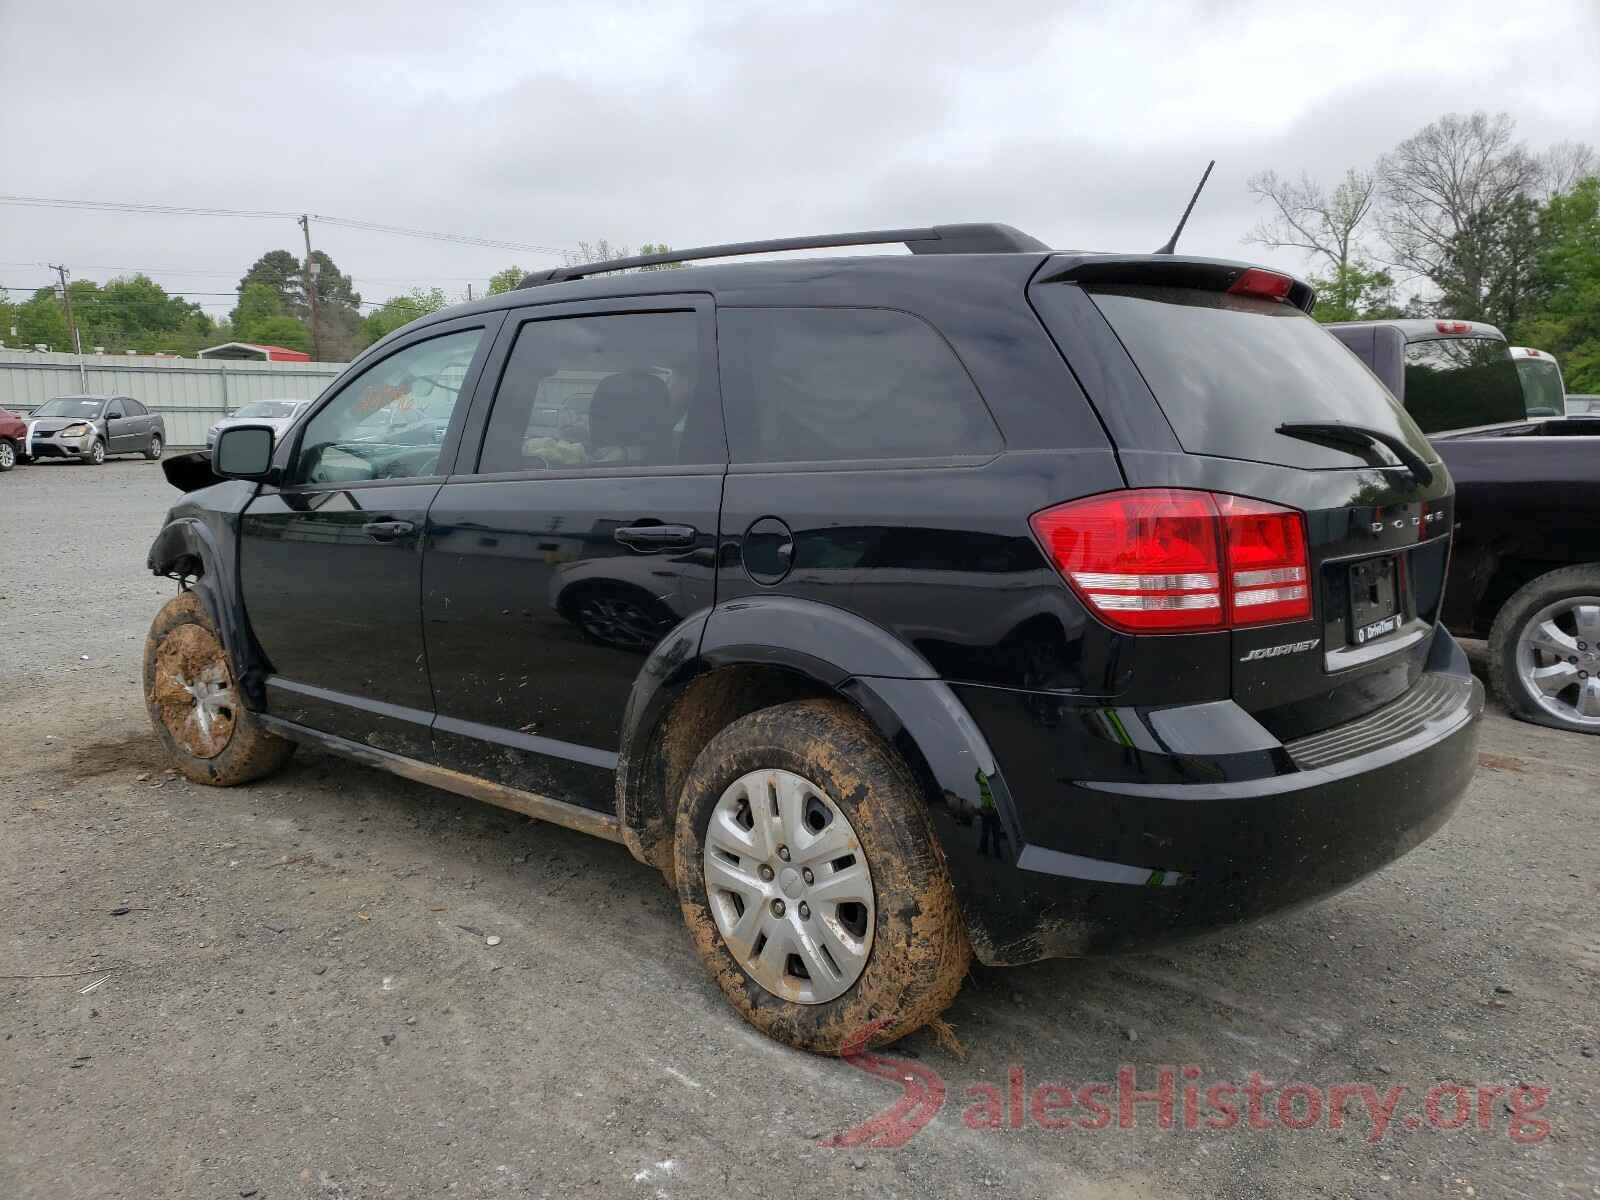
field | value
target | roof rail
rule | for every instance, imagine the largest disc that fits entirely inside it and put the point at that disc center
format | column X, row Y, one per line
column 986, row 238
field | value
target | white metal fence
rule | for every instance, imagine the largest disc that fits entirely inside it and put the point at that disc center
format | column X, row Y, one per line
column 189, row 393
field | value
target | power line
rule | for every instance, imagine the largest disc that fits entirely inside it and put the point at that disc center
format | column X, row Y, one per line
column 179, row 210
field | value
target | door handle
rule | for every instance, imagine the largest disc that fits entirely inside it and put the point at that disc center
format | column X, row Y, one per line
column 388, row 531
column 656, row 537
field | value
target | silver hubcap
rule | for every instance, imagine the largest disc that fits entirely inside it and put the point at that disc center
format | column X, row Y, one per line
column 98, row 453
column 789, row 886
column 213, row 700
column 1558, row 660
column 8, row 456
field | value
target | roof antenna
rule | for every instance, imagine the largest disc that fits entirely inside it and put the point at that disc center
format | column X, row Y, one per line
column 1172, row 242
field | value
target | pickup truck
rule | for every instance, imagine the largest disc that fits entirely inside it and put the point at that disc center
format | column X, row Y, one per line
column 1525, row 564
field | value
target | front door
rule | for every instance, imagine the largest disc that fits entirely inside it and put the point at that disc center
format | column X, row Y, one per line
column 330, row 563
column 581, row 531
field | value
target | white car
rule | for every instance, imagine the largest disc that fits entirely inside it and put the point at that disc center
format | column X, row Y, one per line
column 1543, row 392
column 280, row 414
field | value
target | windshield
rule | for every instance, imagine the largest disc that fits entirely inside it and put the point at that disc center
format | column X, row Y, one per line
column 1460, row 383
column 69, row 406
column 1228, row 370
column 1542, row 393
column 268, row 410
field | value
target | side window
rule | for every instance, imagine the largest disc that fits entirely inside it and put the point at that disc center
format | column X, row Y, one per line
column 134, row 409
column 832, row 384
column 613, row 390
column 389, row 422
column 1456, row 383
column 114, row 411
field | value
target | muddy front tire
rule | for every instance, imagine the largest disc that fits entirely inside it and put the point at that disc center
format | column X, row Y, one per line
column 194, row 702
column 812, row 882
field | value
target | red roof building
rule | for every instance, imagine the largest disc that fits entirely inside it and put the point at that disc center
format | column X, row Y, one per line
column 255, row 350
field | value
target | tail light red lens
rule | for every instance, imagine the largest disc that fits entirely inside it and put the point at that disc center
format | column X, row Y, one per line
column 1171, row 560
column 1452, row 327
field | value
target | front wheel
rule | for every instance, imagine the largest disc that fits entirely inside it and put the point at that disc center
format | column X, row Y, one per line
column 96, row 454
column 1544, row 650
column 194, row 702
column 8, row 454
column 153, row 450
column 811, row 879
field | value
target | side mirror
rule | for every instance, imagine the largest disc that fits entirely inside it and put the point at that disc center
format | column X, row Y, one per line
column 243, row 452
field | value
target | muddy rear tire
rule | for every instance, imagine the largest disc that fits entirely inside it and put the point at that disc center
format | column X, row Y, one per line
column 194, row 701
column 899, row 952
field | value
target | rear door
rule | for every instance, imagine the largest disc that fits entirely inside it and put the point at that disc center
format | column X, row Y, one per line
column 578, row 529
column 140, row 422
column 1194, row 383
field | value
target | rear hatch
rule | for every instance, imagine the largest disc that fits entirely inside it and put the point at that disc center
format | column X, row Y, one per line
column 1210, row 378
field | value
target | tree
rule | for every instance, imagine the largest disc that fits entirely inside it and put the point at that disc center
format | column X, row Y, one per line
column 1564, row 165
column 603, row 251
column 281, row 271
column 1324, row 224
column 1505, row 242
column 659, row 248
column 1568, row 321
column 136, row 313
column 338, row 332
column 282, row 330
column 506, row 280
column 1441, row 189
column 401, row 310
column 41, row 321
column 260, row 317
column 1355, row 293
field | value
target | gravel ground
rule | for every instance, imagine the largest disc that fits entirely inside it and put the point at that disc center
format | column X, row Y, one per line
column 287, row 990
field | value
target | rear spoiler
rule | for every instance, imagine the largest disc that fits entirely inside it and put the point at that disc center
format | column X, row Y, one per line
column 1164, row 270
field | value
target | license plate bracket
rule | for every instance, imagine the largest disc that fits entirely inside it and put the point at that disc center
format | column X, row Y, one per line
column 1374, row 601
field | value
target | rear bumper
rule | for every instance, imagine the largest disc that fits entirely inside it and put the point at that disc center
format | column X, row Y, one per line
column 1185, row 840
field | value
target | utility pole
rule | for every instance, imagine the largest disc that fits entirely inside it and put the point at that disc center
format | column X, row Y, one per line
column 312, row 270
column 72, row 326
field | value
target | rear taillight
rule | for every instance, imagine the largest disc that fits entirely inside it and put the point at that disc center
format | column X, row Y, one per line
column 1170, row 560
column 1452, row 326
column 1269, row 285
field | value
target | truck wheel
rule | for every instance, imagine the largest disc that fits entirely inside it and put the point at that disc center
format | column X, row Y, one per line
column 96, row 454
column 153, row 450
column 8, row 454
column 1544, row 650
column 812, row 881
column 196, row 709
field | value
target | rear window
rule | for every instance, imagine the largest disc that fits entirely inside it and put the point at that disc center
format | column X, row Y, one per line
column 1457, row 383
column 1542, row 391
column 836, row 384
column 1228, row 370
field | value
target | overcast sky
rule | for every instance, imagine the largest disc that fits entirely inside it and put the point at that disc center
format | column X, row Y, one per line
column 1085, row 124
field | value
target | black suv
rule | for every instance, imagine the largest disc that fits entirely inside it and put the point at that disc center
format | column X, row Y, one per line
column 987, row 600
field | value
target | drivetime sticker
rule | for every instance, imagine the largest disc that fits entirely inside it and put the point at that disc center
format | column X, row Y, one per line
column 1377, row 629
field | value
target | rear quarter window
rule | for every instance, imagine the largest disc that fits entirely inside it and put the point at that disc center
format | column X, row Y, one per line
column 842, row 384
column 1228, row 370
column 1457, row 383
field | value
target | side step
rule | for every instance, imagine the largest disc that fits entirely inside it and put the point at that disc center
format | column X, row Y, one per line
column 529, row 804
